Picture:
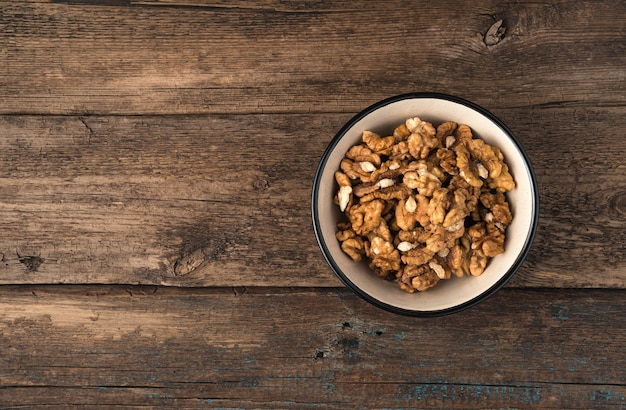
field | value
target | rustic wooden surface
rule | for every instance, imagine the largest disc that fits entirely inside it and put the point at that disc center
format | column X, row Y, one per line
column 213, row 348
column 156, row 160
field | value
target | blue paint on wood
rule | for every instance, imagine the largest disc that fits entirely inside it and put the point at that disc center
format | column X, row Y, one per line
column 607, row 395
column 561, row 314
column 398, row 336
column 376, row 332
column 472, row 393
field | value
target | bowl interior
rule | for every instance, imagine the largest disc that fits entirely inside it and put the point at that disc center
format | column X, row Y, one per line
column 447, row 294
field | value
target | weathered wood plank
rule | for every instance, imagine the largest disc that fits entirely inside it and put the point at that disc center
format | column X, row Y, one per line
column 74, row 57
column 309, row 348
column 582, row 188
column 208, row 200
column 178, row 200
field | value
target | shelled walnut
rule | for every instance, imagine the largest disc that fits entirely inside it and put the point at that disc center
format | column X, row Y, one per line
column 423, row 204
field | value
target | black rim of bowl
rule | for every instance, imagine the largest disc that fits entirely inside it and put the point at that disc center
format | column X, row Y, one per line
column 423, row 313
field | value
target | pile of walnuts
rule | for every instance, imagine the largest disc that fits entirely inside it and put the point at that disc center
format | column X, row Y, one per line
column 423, row 203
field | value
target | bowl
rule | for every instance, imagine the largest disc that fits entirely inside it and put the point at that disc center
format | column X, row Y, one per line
column 448, row 296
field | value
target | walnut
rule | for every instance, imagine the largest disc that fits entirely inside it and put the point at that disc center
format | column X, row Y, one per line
column 459, row 208
column 455, row 259
column 463, row 134
column 412, row 211
column 354, row 247
column 454, row 232
column 504, row 182
column 342, row 179
column 345, row 234
column 384, row 255
column 354, row 170
column 499, row 207
column 398, row 192
column 381, row 231
column 446, row 130
column 422, row 139
column 344, row 195
column 351, row 244
column 493, row 244
column 486, row 238
column 472, row 193
column 483, row 153
column 365, row 217
column 400, row 151
column 440, row 267
column 417, row 256
column 477, row 263
column 420, row 277
column 421, row 211
column 467, row 167
column 458, row 182
column 416, row 236
column 476, row 233
column 405, row 214
column 433, row 165
column 364, row 189
column 436, row 242
column 390, row 169
column 378, row 144
column 401, row 133
column 361, row 153
column 447, row 160
column 486, row 241
column 439, row 205
column 421, row 179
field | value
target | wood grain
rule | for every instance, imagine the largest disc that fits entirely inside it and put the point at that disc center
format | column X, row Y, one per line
column 141, row 346
column 192, row 57
column 225, row 200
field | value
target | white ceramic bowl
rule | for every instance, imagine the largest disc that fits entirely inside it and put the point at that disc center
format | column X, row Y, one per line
column 450, row 295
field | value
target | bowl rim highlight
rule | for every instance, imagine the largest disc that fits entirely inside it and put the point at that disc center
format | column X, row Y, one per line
column 315, row 208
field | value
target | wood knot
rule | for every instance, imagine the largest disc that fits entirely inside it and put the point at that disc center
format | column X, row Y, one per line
column 32, row 263
column 192, row 260
column 617, row 203
column 495, row 33
column 260, row 184
column 189, row 262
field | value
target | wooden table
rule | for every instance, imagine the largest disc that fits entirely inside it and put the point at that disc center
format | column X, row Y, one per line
column 156, row 245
